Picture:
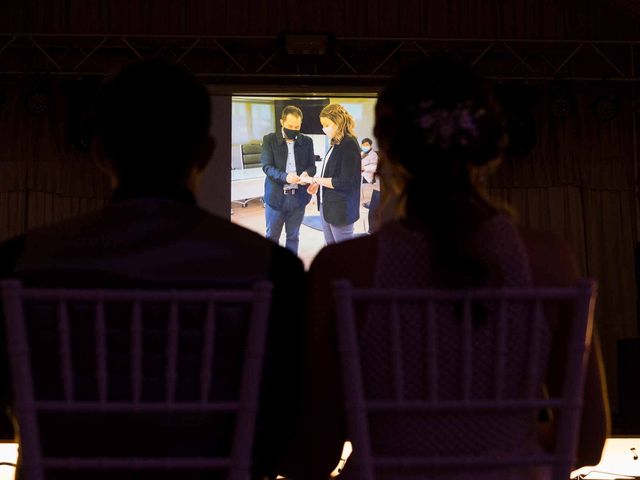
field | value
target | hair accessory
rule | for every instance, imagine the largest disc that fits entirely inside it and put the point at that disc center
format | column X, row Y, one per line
column 447, row 127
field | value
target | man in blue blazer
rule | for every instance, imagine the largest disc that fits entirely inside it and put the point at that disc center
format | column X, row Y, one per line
column 286, row 154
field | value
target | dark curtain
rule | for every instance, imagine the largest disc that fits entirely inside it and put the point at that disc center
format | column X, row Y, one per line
column 579, row 183
column 577, row 19
column 43, row 178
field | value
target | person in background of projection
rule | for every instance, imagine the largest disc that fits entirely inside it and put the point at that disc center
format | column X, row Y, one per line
column 369, row 162
column 286, row 154
column 338, row 187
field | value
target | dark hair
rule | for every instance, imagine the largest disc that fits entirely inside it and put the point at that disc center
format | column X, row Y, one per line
column 291, row 110
column 367, row 140
column 152, row 117
column 434, row 121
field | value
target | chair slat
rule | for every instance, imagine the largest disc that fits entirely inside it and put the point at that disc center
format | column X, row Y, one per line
column 101, row 351
column 432, row 349
column 207, row 352
column 532, row 384
column 136, row 352
column 66, row 365
column 172, row 352
column 396, row 352
column 501, row 349
column 467, row 347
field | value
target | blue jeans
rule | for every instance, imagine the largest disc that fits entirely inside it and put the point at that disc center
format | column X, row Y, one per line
column 335, row 233
column 290, row 216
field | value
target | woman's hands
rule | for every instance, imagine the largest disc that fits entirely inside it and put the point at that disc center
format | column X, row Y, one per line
column 306, row 178
column 313, row 187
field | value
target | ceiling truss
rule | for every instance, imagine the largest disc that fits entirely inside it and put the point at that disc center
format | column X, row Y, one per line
column 262, row 59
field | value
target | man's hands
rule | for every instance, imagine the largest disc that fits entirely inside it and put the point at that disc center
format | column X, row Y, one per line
column 305, row 178
column 313, row 187
column 293, row 178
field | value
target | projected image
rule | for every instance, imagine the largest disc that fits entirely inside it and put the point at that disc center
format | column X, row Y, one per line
column 282, row 157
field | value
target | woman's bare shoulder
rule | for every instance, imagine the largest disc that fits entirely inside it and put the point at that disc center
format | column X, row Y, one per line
column 553, row 263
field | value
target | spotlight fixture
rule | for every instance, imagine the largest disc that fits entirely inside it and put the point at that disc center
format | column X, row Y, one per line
column 37, row 103
column 560, row 107
column 605, row 107
column 561, row 100
column 306, row 43
column 36, row 97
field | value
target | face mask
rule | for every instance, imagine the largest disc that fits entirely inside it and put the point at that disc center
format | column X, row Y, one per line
column 329, row 131
column 366, row 149
column 290, row 134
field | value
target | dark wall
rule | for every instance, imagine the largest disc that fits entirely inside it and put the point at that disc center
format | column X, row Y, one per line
column 310, row 113
column 215, row 190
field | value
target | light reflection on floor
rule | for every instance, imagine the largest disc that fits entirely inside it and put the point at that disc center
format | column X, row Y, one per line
column 8, row 454
column 620, row 459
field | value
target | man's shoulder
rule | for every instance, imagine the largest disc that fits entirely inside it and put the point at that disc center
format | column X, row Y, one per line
column 270, row 138
column 225, row 229
column 208, row 246
column 305, row 139
column 284, row 266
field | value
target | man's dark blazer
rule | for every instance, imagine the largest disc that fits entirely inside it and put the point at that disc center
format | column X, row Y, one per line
column 274, row 164
column 341, row 204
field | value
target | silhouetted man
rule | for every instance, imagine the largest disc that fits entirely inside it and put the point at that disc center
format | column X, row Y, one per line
column 153, row 123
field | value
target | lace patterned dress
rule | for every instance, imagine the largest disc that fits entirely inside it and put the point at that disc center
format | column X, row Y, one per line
column 405, row 259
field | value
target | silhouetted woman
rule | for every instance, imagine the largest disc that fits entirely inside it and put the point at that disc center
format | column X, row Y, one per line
column 440, row 136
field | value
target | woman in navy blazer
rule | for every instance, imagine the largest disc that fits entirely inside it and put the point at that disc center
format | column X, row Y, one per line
column 338, row 186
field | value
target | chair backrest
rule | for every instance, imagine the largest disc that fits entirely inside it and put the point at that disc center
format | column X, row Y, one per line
column 438, row 387
column 251, row 154
column 153, row 353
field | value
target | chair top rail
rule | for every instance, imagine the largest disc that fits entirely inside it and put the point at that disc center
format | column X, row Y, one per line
column 124, row 407
column 536, row 293
column 135, row 294
column 136, row 463
column 140, row 296
column 472, row 405
column 485, row 460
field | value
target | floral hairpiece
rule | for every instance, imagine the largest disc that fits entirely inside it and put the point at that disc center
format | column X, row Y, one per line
column 447, row 127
